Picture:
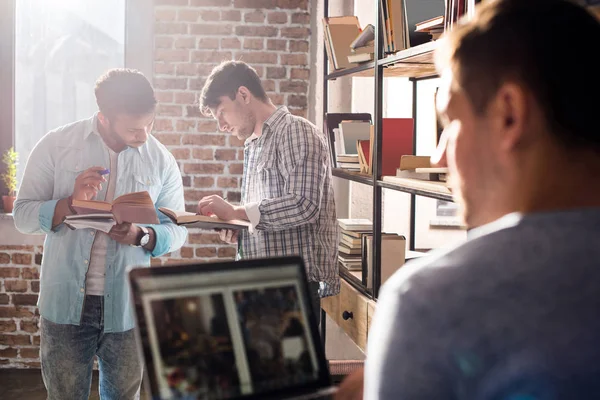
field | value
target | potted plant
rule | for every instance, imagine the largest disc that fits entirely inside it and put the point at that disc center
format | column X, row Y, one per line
column 10, row 159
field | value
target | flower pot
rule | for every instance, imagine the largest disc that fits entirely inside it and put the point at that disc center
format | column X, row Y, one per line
column 8, row 202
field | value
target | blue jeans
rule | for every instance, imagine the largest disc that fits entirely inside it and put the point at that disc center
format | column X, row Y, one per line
column 67, row 355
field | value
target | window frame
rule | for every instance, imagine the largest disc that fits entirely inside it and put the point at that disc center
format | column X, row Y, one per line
column 139, row 54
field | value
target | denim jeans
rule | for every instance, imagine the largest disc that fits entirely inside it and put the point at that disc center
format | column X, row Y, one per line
column 67, row 356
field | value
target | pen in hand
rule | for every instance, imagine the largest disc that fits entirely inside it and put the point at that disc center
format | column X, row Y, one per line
column 104, row 171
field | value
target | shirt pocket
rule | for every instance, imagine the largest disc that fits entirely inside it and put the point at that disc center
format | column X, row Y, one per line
column 67, row 169
column 147, row 183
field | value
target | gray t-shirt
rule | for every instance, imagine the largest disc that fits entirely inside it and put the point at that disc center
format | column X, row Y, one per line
column 513, row 313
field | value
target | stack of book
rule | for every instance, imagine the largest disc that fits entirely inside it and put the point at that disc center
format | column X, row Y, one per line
column 350, row 246
column 419, row 167
column 349, row 162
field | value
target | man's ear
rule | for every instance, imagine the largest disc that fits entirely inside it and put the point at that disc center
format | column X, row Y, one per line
column 510, row 110
column 244, row 94
column 103, row 120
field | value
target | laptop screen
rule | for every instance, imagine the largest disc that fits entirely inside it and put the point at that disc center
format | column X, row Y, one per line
column 224, row 334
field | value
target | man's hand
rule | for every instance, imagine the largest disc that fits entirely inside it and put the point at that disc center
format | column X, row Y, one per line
column 125, row 233
column 88, row 184
column 216, row 205
column 228, row 236
column 351, row 388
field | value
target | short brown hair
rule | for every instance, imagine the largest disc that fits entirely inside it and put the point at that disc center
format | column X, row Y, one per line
column 225, row 80
column 543, row 45
column 124, row 91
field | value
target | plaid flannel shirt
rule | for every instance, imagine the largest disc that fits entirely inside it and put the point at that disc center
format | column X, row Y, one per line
column 288, row 194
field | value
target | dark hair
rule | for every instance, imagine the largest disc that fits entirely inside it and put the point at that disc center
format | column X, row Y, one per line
column 225, row 80
column 546, row 46
column 124, row 91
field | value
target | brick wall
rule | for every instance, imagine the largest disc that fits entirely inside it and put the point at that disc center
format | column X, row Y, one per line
column 191, row 36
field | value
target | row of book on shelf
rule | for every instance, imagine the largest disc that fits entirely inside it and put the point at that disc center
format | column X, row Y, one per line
column 405, row 23
column 356, row 249
column 352, row 139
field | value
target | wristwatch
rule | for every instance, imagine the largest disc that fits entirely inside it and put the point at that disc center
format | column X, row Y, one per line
column 145, row 237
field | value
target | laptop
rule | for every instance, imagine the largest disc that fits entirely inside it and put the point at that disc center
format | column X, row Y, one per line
column 229, row 330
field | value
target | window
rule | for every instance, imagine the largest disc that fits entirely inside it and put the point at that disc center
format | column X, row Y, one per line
column 51, row 54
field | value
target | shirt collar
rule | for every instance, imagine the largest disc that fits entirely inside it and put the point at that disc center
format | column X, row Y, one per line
column 507, row 221
column 271, row 124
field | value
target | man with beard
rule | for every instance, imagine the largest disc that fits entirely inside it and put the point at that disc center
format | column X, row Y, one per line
column 287, row 192
column 84, row 299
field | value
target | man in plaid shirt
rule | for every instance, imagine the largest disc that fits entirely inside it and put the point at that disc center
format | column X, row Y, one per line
column 287, row 193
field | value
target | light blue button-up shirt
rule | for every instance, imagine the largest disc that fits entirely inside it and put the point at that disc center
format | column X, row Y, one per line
column 55, row 162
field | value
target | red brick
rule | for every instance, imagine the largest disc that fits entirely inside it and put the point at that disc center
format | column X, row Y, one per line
column 298, row 46
column 299, row 73
column 244, row 30
column 15, row 340
column 171, row 2
column 277, row 44
column 254, row 3
column 33, row 364
column 186, row 252
column 208, row 43
column 163, row 125
column 206, row 252
column 254, row 16
column 4, row 299
column 256, row 57
column 204, row 238
column 29, row 326
column 181, row 154
column 4, row 259
column 227, row 252
column 36, row 340
column 295, row 32
column 12, row 285
column 211, row 29
column 171, row 28
column 8, row 326
column 8, row 352
column 35, row 286
column 161, row 68
column 210, row 15
column 168, row 139
column 164, row 15
column 207, row 168
column 231, row 15
column 171, row 55
column 201, row 56
column 170, row 83
column 169, row 110
column 204, row 140
column 185, row 125
column 230, row 43
column 269, row 85
column 209, row 126
column 293, row 86
column 293, row 4
column 297, row 101
column 193, row 111
column 197, row 195
column 227, row 182
column 276, row 98
column 240, row 154
column 163, row 42
column 187, row 181
column 276, row 72
column 277, row 17
column 185, row 98
column 9, row 272
column 188, row 15
column 254, row 44
column 260, row 71
column 293, row 59
column 210, row 3
column 203, row 154
column 14, row 312
column 225, row 154
column 29, row 353
column 236, row 169
column 163, row 97
column 185, row 43
column 22, row 259
column 186, row 69
column 25, row 299
column 204, row 181
column 301, row 18
column 16, row 248
column 30, row 273
column 37, row 259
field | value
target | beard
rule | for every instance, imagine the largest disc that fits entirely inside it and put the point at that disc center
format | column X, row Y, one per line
column 247, row 125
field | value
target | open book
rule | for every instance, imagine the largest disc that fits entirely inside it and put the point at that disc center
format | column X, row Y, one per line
column 202, row 221
column 134, row 207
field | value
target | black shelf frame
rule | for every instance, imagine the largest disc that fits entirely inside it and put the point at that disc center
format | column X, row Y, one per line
column 409, row 58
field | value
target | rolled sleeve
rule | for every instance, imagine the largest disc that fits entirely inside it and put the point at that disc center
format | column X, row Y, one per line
column 253, row 213
column 46, row 215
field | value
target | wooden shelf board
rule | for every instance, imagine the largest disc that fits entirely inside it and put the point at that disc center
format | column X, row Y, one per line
column 435, row 190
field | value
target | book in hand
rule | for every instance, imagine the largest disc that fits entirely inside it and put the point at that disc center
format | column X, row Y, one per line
column 202, row 221
column 134, row 207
